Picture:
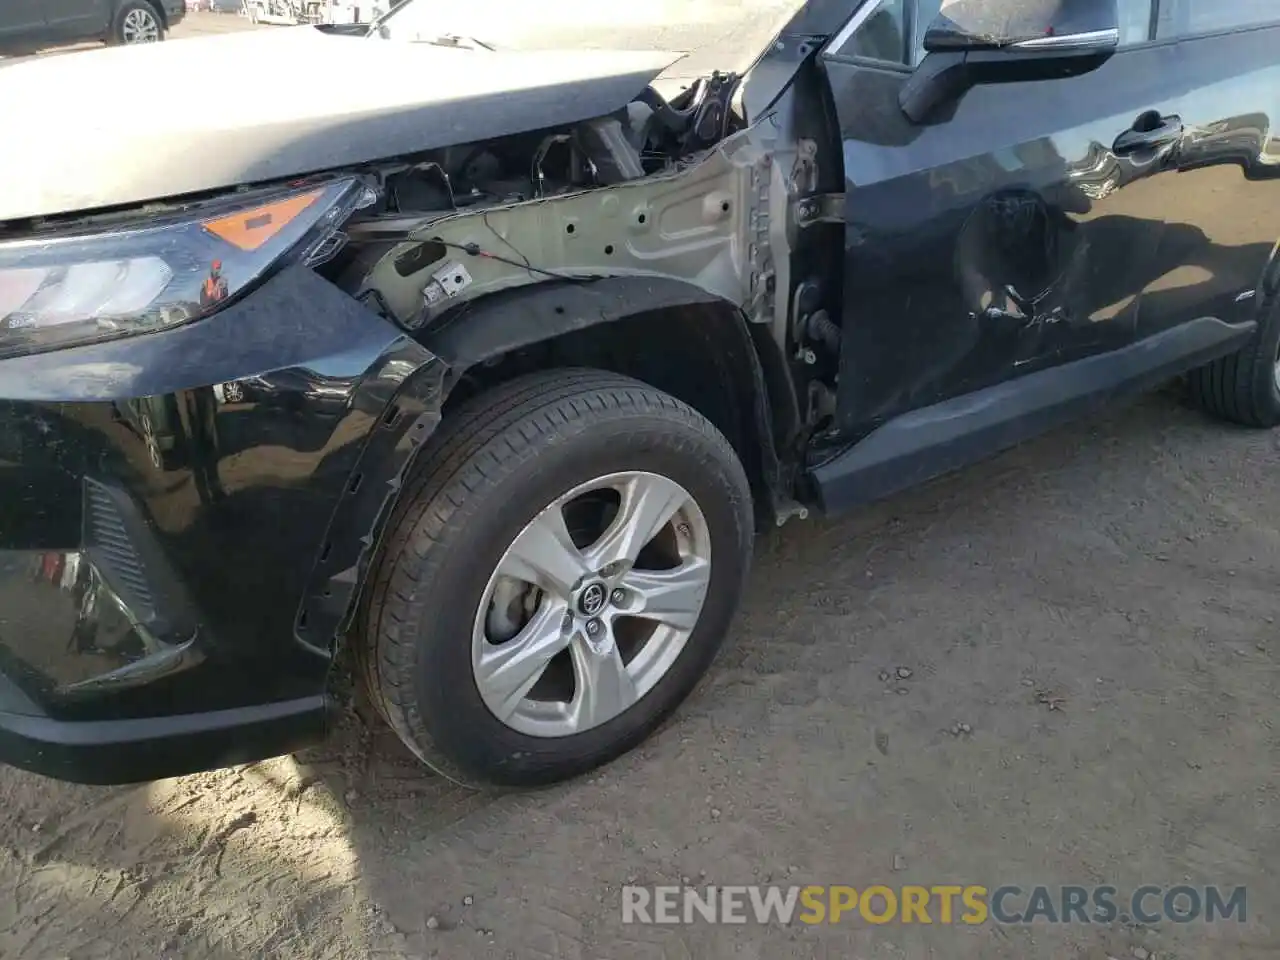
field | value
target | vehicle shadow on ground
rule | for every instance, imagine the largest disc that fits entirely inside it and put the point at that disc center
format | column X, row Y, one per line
column 1093, row 607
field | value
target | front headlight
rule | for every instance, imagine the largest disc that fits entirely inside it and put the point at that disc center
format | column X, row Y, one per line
column 65, row 289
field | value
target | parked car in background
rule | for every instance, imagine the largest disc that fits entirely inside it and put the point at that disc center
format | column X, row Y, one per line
column 30, row 25
column 314, row 12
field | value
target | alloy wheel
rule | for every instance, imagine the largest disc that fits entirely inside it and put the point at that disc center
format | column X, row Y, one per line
column 140, row 26
column 591, row 604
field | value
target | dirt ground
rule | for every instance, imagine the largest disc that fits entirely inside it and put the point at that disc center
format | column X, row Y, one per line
column 1098, row 608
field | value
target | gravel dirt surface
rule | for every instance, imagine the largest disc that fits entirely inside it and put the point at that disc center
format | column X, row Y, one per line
column 1057, row 667
column 1094, row 613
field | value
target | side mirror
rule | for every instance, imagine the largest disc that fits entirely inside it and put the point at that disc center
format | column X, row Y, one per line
column 1006, row 41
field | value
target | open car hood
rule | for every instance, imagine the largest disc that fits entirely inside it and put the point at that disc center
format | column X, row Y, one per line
column 127, row 125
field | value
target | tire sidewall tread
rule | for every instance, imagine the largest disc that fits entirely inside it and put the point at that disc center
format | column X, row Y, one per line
column 1241, row 388
column 474, row 488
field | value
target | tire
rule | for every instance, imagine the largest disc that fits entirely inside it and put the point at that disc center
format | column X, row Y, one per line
column 1244, row 387
column 484, row 481
column 136, row 19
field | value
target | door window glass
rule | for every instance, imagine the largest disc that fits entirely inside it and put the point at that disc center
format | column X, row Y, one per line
column 1180, row 18
column 881, row 36
column 1135, row 21
column 926, row 12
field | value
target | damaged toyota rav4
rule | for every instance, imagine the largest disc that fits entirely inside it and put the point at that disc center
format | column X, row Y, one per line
column 483, row 367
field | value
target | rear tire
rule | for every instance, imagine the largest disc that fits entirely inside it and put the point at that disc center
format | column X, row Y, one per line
column 136, row 22
column 1244, row 387
column 501, row 467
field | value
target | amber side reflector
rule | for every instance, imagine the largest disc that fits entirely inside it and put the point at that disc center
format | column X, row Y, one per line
column 250, row 229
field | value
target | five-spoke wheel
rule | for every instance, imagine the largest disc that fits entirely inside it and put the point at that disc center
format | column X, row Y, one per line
column 560, row 572
column 576, row 625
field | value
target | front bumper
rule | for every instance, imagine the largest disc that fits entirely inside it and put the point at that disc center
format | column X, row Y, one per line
column 137, row 750
column 184, row 520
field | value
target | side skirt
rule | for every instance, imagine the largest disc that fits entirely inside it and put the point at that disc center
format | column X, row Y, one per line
column 937, row 439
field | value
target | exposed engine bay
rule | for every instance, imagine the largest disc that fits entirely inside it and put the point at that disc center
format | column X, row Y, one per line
column 659, row 187
column 649, row 137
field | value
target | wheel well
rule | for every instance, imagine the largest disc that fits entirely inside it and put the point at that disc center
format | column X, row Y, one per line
column 701, row 354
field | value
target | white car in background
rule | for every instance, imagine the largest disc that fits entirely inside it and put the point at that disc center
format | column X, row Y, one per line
column 294, row 12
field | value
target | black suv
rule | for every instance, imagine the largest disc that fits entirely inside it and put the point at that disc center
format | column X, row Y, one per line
column 485, row 369
column 30, row 25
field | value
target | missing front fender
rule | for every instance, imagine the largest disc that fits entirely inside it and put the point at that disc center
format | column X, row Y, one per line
column 409, row 410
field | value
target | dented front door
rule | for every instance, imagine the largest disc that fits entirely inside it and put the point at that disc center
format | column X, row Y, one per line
column 1013, row 235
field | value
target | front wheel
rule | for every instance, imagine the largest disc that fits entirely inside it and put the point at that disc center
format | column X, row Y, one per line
column 562, row 569
column 136, row 22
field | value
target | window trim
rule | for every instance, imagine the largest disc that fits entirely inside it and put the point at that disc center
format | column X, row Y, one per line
column 1153, row 20
column 1160, row 6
